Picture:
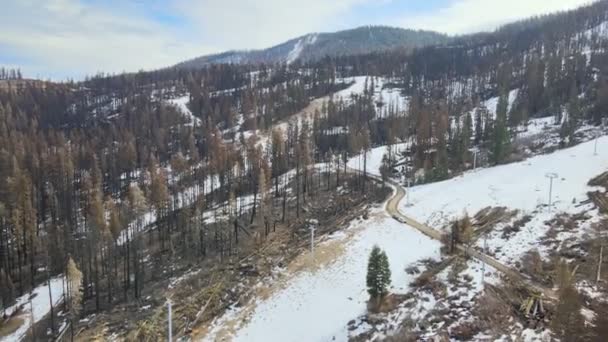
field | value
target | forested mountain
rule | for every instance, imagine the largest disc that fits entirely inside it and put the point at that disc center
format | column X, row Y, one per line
column 315, row 46
column 125, row 183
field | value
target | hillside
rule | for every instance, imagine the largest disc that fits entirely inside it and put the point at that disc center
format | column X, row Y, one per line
column 328, row 290
column 315, row 46
column 203, row 185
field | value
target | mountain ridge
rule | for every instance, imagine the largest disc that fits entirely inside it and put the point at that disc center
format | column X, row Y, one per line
column 317, row 45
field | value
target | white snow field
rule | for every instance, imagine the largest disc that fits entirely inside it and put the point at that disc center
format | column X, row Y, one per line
column 374, row 158
column 41, row 304
column 386, row 96
column 521, row 185
column 316, row 304
column 182, row 104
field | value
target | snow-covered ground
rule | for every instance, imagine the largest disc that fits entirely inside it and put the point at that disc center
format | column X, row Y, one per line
column 316, row 303
column 182, row 104
column 537, row 126
column 382, row 94
column 521, row 185
column 492, row 103
column 374, row 158
column 299, row 47
column 41, row 304
column 356, row 88
column 177, row 201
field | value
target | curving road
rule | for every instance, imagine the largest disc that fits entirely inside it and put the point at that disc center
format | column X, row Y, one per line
column 392, row 207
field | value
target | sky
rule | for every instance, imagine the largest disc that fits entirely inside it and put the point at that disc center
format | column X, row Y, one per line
column 61, row 39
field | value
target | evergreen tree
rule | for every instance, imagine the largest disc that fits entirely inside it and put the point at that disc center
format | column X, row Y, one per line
column 385, row 168
column 378, row 274
column 74, row 282
column 574, row 114
column 568, row 323
column 500, row 140
column 480, row 114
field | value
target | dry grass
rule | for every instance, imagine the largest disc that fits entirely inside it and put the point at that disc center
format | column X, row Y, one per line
column 10, row 326
column 600, row 180
column 324, row 254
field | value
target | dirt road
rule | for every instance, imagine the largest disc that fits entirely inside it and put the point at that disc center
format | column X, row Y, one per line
column 392, row 207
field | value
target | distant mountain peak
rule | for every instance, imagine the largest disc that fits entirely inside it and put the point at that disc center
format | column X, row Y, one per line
column 314, row 46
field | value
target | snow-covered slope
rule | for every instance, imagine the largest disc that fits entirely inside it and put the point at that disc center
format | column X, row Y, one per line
column 374, row 158
column 520, row 185
column 41, row 303
column 383, row 96
column 295, row 53
column 492, row 103
column 315, row 300
column 182, row 104
column 315, row 46
column 316, row 303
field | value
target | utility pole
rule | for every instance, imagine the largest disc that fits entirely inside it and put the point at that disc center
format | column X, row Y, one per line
column 169, row 321
column 599, row 265
column 312, row 228
column 474, row 160
column 475, row 151
column 551, row 176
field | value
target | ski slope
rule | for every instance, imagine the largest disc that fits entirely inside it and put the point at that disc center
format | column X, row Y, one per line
column 317, row 303
column 374, row 158
column 521, row 185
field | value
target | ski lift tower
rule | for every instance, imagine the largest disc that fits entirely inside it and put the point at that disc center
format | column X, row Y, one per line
column 475, row 152
column 551, row 176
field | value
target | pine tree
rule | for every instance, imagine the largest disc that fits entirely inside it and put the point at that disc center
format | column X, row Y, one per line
column 574, row 114
column 568, row 323
column 480, row 115
column 74, row 293
column 465, row 139
column 385, row 168
column 378, row 274
column 500, row 140
column 74, row 282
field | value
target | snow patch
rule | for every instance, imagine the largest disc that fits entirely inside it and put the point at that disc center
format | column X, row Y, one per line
column 41, row 304
column 299, row 47
column 182, row 105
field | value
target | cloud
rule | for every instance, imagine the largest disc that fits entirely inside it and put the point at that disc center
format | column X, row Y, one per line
column 467, row 16
column 238, row 24
column 59, row 38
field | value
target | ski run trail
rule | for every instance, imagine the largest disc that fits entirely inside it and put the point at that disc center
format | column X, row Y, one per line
column 315, row 298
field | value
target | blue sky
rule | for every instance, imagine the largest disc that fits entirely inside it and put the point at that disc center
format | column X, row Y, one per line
column 62, row 39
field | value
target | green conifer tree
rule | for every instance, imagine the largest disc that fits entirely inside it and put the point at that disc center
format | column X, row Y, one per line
column 378, row 274
column 500, row 140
